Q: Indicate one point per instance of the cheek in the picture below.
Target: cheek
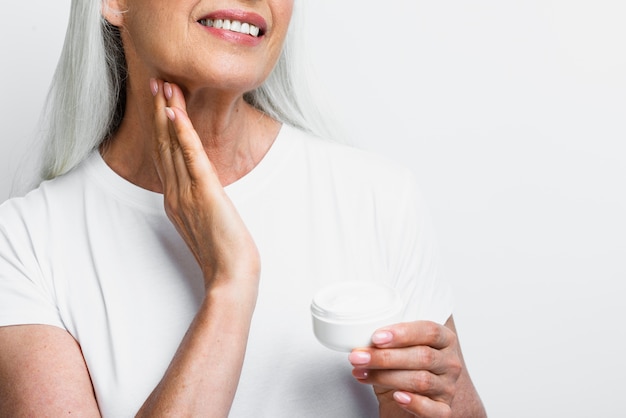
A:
(151, 40)
(283, 11)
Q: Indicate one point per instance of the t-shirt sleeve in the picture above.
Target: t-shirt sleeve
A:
(25, 297)
(416, 265)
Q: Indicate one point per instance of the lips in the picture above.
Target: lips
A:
(232, 25)
(237, 21)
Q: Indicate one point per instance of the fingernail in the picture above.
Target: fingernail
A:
(402, 398)
(170, 114)
(167, 88)
(382, 337)
(360, 374)
(154, 86)
(359, 357)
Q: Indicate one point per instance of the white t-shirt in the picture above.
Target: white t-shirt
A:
(96, 255)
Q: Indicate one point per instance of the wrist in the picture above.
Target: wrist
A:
(232, 299)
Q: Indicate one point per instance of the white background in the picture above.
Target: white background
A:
(513, 115)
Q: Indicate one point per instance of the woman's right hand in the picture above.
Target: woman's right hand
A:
(195, 200)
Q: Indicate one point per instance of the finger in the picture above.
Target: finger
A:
(185, 133)
(180, 165)
(199, 166)
(162, 155)
(191, 151)
(174, 96)
(176, 99)
(156, 156)
(409, 358)
(420, 382)
(422, 406)
(414, 333)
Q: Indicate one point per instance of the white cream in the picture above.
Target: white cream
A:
(346, 314)
(231, 25)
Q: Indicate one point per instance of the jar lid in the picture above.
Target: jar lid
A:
(355, 301)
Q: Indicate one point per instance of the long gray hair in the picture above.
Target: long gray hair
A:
(85, 104)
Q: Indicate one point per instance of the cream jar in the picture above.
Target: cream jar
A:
(346, 314)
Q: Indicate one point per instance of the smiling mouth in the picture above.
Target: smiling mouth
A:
(233, 26)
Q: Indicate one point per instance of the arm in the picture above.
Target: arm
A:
(203, 376)
(42, 373)
(417, 369)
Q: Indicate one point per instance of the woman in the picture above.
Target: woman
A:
(112, 306)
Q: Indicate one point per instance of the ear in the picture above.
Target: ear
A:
(113, 11)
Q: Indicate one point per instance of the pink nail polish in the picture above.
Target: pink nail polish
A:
(402, 398)
(360, 374)
(154, 86)
(167, 88)
(170, 114)
(359, 357)
(382, 337)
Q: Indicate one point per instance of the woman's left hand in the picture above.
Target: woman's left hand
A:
(414, 368)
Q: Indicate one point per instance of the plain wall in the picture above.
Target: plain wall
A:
(513, 116)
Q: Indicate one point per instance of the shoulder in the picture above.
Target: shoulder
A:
(351, 163)
(41, 206)
(32, 235)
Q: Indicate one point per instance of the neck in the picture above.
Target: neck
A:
(235, 136)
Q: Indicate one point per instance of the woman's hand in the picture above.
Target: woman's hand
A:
(195, 201)
(204, 373)
(414, 368)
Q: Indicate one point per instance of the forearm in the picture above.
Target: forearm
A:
(203, 376)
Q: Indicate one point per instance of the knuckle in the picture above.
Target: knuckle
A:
(189, 155)
(456, 367)
(174, 147)
(423, 382)
(171, 207)
(425, 356)
(453, 365)
(434, 332)
(162, 146)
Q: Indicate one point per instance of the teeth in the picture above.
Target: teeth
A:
(231, 25)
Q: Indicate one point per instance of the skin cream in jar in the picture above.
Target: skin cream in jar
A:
(346, 314)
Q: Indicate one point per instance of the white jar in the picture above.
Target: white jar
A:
(346, 314)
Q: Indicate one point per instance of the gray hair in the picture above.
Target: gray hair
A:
(85, 104)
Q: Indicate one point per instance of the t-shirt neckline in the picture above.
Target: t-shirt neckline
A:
(151, 201)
